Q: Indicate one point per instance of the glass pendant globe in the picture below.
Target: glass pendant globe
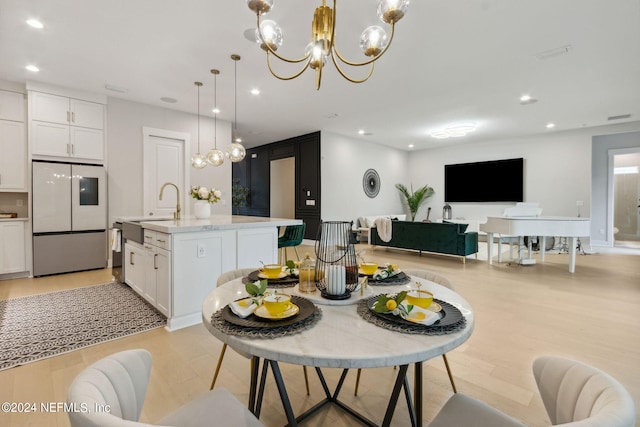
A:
(392, 10)
(215, 157)
(373, 40)
(272, 34)
(317, 56)
(198, 161)
(236, 152)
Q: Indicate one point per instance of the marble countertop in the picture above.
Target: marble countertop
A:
(342, 338)
(215, 222)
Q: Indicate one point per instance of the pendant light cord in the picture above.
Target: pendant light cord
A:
(215, 111)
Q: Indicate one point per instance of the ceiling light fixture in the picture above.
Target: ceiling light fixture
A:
(373, 41)
(235, 150)
(551, 125)
(527, 99)
(198, 161)
(32, 68)
(215, 157)
(453, 131)
(35, 23)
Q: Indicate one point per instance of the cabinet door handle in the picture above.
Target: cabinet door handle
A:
(73, 117)
(131, 258)
(155, 261)
(68, 116)
(161, 241)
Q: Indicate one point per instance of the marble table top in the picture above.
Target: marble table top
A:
(342, 338)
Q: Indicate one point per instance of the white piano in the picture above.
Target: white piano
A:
(571, 227)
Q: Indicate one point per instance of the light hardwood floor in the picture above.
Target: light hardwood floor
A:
(521, 312)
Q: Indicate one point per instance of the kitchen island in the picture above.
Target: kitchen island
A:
(174, 264)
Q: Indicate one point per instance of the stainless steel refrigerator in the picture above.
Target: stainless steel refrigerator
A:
(69, 217)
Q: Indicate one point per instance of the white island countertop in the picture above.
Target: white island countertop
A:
(216, 222)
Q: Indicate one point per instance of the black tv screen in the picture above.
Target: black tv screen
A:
(493, 181)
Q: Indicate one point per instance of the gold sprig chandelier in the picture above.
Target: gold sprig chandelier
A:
(374, 41)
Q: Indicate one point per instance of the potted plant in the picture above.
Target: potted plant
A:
(239, 194)
(415, 198)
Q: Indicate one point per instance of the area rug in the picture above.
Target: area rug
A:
(41, 326)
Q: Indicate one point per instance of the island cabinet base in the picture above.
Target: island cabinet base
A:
(179, 262)
(198, 260)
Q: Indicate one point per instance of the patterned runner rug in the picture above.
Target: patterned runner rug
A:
(41, 326)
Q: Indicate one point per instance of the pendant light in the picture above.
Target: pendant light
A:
(235, 150)
(198, 161)
(215, 157)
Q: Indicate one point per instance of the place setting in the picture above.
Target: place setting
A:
(266, 312)
(415, 311)
(389, 275)
(277, 276)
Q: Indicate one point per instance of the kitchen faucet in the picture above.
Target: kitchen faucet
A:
(176, 214)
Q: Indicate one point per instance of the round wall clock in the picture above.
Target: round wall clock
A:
(371, 183)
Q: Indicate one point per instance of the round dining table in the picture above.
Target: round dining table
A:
(342, 338)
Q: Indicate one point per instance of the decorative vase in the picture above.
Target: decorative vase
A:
(202, 209)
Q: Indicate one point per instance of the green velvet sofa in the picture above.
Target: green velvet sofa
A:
(442, 238)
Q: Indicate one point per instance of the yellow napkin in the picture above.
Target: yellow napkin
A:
(244, 307)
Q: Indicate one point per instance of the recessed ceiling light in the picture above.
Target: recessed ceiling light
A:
(527, 99)
(255, 91)
(361, 132)
(551, 125)
(168, 100)
(32, 68)
(35, 23)
(216, 111)
(410, 145)
(453, 131)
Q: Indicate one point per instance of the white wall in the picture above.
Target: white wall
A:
(343, 163)
(125, 121)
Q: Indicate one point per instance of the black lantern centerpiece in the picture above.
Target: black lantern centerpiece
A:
(336, 263)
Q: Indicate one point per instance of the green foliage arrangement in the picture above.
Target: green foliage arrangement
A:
(415, 198)
(239, 194)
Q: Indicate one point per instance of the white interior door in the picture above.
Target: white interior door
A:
(164, 161)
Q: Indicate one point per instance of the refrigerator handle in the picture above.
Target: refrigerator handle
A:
(155, 261)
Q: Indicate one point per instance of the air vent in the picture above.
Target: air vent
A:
(620, 117)
(562, 50)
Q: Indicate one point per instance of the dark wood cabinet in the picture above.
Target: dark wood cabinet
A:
(254, 172)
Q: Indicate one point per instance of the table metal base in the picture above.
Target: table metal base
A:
(256, 394)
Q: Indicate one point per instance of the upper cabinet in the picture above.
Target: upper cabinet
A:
(13, 142)
(66, 127)
(12, 106)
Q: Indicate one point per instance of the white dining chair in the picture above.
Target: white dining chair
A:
(574, 394)
(119, 382)
(440, 280)
(224, 278)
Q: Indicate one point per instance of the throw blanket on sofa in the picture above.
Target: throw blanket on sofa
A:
(384, 227)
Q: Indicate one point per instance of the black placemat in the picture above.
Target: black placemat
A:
(252, 321)
(456, 320)
(285, 282)
(398, 279)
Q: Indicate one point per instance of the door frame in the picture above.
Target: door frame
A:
(610, 188)
(185, 140)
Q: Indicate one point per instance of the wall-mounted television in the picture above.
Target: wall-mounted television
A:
(492, 181)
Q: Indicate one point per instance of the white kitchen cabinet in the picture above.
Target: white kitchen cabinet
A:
(12, 247)
(12, 106)
(158, 260)
(135, 266)
(66, 127)
(13, 156)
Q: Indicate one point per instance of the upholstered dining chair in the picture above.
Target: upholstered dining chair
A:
(120, 381)
(224, 278)
(574, 394)
(292, 238)
(440, 280)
